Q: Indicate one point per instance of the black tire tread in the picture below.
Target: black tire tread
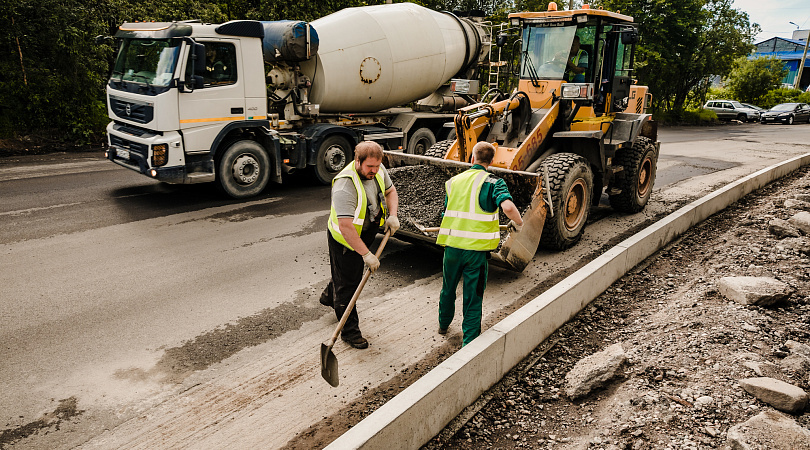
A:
(629, 159)
(558, 166)
(439, 149)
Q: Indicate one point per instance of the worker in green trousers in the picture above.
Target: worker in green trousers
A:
(470, 229)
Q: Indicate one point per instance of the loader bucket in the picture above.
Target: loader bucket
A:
(420, 185)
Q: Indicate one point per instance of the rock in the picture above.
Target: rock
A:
(801, 221)
(782, 396)
(763, 369)
(798, 364)
(594, 371)
(769, 430)
(802, 197)
(761, 291)
(797, 204)
(798, 348)
(782, 229)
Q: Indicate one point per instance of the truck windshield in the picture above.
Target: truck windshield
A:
(150, 62)
(546, 50)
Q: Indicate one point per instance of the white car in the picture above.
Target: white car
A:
(732, 109)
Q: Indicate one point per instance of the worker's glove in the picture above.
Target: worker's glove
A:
(513, 226)
(371, 261)
(392, 224)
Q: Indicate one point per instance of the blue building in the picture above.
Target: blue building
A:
(790, 51)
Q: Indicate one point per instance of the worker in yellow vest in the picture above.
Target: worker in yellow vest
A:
(577, 63)
(363, 199)
(469, 231)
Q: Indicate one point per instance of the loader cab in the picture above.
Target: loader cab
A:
(590, 51)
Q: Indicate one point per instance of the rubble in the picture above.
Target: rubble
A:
(594, 371)
(782, 396)
(687, 346)
(762, 291)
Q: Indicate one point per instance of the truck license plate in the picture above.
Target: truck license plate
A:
(122, 153)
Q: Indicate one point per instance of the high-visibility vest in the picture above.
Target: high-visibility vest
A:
(465, 225)
(575, 62)
(362, 202)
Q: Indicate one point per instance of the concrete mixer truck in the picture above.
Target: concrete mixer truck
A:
(244, 102)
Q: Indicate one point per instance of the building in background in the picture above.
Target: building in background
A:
(790, 51)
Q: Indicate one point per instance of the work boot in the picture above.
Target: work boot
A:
(358, 342)
(326, 298)
(442, 330)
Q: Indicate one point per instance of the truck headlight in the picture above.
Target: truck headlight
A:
(577, 91)
(160, 154)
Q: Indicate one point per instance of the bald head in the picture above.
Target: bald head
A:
(367, 149)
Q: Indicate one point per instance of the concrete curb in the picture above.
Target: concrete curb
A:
(415, 415)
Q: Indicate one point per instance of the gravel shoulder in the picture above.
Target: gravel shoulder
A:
(687, 345)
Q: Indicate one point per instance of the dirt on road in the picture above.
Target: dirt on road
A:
(687, 345)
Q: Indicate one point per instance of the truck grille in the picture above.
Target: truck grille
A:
(136, 112)
(134, 147)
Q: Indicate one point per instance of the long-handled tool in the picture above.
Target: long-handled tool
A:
(329, 364)
(426, 230)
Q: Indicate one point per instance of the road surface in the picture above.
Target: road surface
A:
(143, 315)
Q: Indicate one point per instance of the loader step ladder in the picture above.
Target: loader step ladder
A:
(495, 62)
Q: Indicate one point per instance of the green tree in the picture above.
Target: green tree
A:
(684, 43)
(751, 80)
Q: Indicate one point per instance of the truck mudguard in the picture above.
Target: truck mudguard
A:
(316, 133)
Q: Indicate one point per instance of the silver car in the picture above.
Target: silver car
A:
(731, 109)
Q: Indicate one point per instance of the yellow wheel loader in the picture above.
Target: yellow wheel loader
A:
(575, 127)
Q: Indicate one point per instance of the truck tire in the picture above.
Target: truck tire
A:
(420, 141)
(334, 154)
(640, 163)
(571, 184)
(439, 149)
(243, 169)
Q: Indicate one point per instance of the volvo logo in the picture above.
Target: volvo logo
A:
(129, 109)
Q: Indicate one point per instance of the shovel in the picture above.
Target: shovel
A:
(329, 364)
(426, 230)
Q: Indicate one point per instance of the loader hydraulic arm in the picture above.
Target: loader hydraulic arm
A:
(471, 122)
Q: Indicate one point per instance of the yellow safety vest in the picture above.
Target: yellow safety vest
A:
(575, 62)
(362, 202)
(465, 225)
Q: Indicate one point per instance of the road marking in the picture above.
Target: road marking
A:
(20, 212)
(45, 170)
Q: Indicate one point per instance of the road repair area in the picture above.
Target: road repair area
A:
(239, 385)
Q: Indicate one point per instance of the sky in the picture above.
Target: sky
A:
(774, 16)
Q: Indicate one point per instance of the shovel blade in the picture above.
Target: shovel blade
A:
(329, 365)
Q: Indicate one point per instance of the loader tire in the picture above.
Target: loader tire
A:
(439, 149)
(640, 163)
(571, 185)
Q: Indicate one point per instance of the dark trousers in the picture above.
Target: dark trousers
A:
(347, 272)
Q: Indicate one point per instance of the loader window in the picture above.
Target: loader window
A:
(546, 51)
(220, 64)
(623, 60)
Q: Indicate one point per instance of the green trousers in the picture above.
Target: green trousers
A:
(473, 266)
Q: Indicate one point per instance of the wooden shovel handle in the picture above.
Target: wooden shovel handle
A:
(366, 275)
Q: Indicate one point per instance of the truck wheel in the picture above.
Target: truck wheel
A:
(334, 154)
(439, 149)
(571, 184)
(421, 140)
(244, 169)
(639, 162)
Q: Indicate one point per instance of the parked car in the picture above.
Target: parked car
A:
(788, 113)
(748, 105)
(731, 109)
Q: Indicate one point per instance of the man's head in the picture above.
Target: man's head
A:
(483, 152)
(367, 159)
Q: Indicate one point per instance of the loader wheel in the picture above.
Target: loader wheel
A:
(571, 185)
(420, 141)
(439, 149)
(334, 154)
(244, 169)
(636, 184)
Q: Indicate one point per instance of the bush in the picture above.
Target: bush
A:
(697, 116)
(784, 95)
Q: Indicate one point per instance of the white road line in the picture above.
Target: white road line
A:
(21, 212)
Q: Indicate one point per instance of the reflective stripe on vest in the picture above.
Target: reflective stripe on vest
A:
(575, 62)
(362, 203)
(465, 225)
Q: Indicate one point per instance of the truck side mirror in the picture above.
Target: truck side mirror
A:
(629, 36)
(501, 41)
(199, 59)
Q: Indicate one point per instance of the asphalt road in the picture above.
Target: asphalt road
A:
(173, 316)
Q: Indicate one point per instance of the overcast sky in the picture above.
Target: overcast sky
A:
(774, 16)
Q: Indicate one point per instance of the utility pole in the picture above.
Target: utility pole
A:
(801, 64)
